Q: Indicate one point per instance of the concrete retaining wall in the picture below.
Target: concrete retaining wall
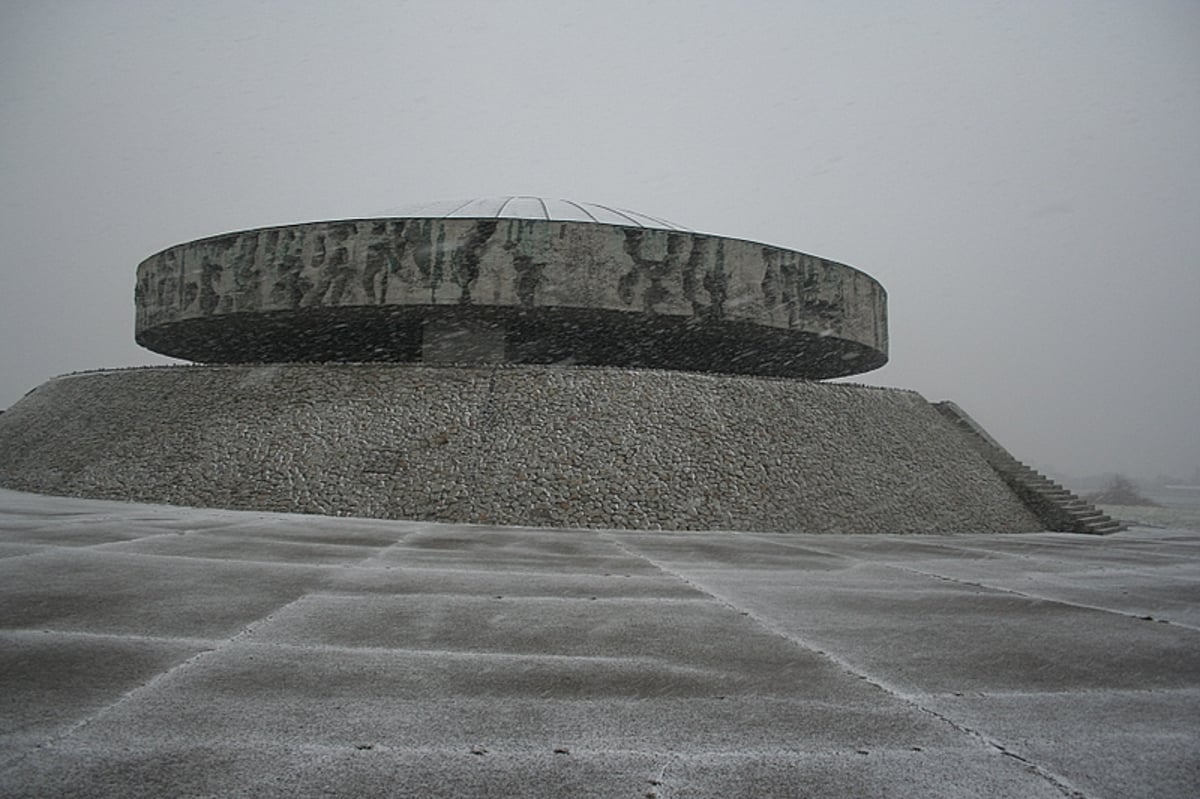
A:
(509, 445)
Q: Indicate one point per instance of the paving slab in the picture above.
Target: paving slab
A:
(931, 635)
(1171, 596)
(340, 698)
(1107, 743)
(230, 545)
(69, 589)
(384, 578)
(1151, 577)
(507, 549)
(157, 651)
(13, 550)
(63, 679)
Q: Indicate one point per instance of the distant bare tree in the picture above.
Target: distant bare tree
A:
(1120, 490)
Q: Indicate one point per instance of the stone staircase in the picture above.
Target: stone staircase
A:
(1056, 507)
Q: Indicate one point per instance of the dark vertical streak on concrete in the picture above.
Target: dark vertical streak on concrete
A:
(692, 282)
(210, 276)
(631, 279)
(338, 270)
(246, 277)
(428, 240)
(464, 263)
(529, 272)
(770, 281)
(529, 275)
(312, 294)
(661, 270)
(652, 270)
(172, 256)
(790, 272)
(716, 283)
(384, 251)
(290, 286)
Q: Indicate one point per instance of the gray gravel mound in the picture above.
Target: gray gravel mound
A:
(534, 446)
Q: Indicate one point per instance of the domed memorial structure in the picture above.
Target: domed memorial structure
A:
(512, 280)
(514, 361)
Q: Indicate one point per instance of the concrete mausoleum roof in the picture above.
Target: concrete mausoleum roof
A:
(514, 279)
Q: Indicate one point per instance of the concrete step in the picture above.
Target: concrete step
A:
(1057, 507)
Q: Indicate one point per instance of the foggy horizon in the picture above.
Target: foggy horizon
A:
(1023, 179)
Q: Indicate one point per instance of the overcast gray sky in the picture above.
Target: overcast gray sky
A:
(1022, 177)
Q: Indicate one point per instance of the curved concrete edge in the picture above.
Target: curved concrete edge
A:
(532, 446)
(400, 268)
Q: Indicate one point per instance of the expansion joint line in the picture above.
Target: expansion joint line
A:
(366, 563)
(1037, 597)
(149, 684)
(1059, 783)
(1007, 590)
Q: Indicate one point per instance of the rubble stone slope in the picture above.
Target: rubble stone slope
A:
(540, 446)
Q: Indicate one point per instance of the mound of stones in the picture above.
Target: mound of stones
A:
(519, 445)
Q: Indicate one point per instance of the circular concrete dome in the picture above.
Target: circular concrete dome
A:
(511, 280)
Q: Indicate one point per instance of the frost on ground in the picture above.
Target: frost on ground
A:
(150, 650)
(1185, 518)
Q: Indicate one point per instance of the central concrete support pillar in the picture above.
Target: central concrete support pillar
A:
(462, 340)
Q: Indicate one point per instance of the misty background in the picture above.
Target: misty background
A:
(1022, 177)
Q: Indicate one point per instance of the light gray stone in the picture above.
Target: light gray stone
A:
(545, 446)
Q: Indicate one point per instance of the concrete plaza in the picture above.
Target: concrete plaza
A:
(159, 651)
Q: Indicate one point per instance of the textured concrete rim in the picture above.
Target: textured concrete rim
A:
(365, 289)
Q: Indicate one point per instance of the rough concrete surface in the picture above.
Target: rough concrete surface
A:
(159, 651)
(532, 446)
(602, 294)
